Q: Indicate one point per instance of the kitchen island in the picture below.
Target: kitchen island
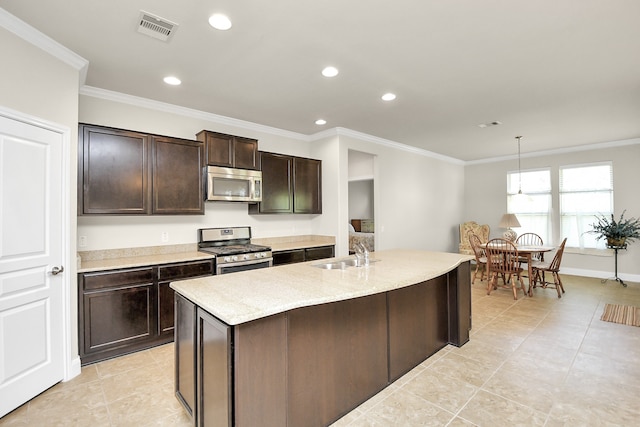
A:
(299, 345)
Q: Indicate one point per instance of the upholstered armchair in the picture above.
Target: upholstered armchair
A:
(482, 231)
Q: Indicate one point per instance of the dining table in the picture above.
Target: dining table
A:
(527, 252)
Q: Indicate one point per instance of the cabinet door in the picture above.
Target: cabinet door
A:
(322, 252)
(245, 153)
(218, 148)
(307, 181)
(113, 171)
(214, 382)
(277, 195)
(177, 176)
(288, 257)
(185, 352)
(170, 273)
(117, 313)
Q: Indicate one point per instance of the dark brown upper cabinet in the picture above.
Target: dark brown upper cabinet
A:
(123, 172)
(229, 150)
(289, 185)
(177, 176)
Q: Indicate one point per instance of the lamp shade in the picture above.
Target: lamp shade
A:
(508, 221)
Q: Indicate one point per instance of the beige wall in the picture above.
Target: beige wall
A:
(417, 198)
(485, 201)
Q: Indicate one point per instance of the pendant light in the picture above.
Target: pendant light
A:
(519, 170)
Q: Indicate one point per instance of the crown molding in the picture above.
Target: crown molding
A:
(187, 112)
(586, 147)
(31, 35)
(339, 131)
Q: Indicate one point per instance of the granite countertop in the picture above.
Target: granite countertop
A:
(241, 297)
(112, 259)
(289, 243)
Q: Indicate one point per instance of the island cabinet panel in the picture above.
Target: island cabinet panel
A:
(260, 365)
(418, 324)
(460, 304)
(337, 358)
(214, 369)
(185, 354)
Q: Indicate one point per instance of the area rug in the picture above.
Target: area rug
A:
(624, 314)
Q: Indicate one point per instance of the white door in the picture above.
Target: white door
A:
(31, 248)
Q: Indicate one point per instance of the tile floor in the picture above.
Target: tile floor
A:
(538, 361)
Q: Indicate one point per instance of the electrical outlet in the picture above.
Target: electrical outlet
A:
(82, 241)
(164, 236)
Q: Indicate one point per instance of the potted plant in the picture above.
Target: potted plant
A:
(617, 232)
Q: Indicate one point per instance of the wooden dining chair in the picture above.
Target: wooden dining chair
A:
(553, 267)
(481, 258)
(502, 259)
(530, 239)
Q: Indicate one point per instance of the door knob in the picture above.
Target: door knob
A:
(57, 270)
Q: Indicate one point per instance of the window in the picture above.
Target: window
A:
(585, 190)
(533, 207)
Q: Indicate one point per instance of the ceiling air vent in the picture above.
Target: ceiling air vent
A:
(156, 27)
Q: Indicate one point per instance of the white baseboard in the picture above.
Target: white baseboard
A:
(599, 274)
(73, 369)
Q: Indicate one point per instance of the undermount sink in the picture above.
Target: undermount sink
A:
(342, 264)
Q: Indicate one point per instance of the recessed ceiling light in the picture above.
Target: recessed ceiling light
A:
(389, 96)
(330, 72)
(220, 21)
(321, 122)
(171, 80)
(486, 125)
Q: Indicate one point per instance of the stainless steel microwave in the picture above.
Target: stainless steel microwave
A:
(233, 185)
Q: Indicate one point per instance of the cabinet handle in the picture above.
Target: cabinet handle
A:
(57, 270)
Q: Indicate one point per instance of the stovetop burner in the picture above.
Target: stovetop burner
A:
(234, 249)
(231, 245)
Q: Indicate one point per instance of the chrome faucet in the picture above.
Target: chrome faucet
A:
(362, 253)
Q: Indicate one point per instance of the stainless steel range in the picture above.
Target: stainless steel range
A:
(233, 249)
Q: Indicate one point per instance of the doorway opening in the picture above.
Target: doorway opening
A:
(361, 200)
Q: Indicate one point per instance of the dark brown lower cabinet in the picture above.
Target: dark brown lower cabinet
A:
(213, 386)
(126, 310)
(303, 254)
(418, 324)
(337, 358)
(185, 353)
(312, 365)
(117, 312)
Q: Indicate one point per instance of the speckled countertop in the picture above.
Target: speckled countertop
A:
(241, 297)
(111, 259)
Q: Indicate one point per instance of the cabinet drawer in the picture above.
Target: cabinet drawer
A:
(288, 257)
(114, 279)
(321, 252)
(185, 270)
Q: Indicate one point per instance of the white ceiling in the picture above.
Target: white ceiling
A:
(562, 73)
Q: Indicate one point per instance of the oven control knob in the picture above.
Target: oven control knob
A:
(246, 256)
(227, 259)
(262, 254)
(235, 258)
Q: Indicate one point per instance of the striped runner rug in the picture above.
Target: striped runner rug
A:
(624, 314)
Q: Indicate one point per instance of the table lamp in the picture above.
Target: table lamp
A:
(508, 221)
